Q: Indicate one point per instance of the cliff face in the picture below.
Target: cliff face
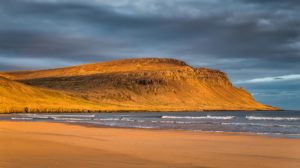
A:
(150, 84)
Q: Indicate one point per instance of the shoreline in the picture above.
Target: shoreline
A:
(270, 135)
(41, 144)
(146, 111)
(34, 117)
(91, 125)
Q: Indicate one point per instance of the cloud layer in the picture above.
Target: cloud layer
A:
(248, 39)
(272, 79)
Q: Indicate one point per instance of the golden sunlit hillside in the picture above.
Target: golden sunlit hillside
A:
(17, 97)
(127, 65)
(150, 84)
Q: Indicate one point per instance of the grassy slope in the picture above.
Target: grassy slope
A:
(121, 66)
(145, 84)
(15, 97)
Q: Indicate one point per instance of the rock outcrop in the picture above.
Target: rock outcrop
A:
(149, 84)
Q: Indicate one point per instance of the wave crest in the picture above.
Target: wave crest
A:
(273, 118)
(200, 117)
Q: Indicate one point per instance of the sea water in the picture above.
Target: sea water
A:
(273, 123)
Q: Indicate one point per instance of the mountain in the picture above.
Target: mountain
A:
(150, 84)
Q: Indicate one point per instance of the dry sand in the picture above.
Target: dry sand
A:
(41, 145)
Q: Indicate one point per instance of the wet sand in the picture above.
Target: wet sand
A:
(41, 144)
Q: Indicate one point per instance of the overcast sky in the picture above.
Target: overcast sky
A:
(256, 42)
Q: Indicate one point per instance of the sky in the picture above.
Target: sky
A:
(256, 42)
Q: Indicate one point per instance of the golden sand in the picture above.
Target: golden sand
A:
(37, 144)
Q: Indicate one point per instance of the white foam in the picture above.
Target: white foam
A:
(71, 119)
(259, 124)
(59, 115)
(119, 119)
(146, 127)
(274, 118)
(140, 121)
(21, 118)
(35, 116)
(127, 119)
(107, 119)
(184, 122)
(178, 122)
(200, 117)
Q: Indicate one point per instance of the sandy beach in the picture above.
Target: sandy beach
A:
(42, 144)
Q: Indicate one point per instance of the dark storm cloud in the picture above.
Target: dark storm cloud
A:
(217, 35)
(275, 2)
(246, 38)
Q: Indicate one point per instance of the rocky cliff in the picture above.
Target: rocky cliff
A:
(149, 84)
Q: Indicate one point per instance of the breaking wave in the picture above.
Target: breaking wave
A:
(200, 117)
(58, 115)
(273, 118)
(21, 118)
(260, 124)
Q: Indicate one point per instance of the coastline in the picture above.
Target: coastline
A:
(141, 110)
(37, 144)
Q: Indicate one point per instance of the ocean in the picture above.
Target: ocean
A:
(271, 123)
